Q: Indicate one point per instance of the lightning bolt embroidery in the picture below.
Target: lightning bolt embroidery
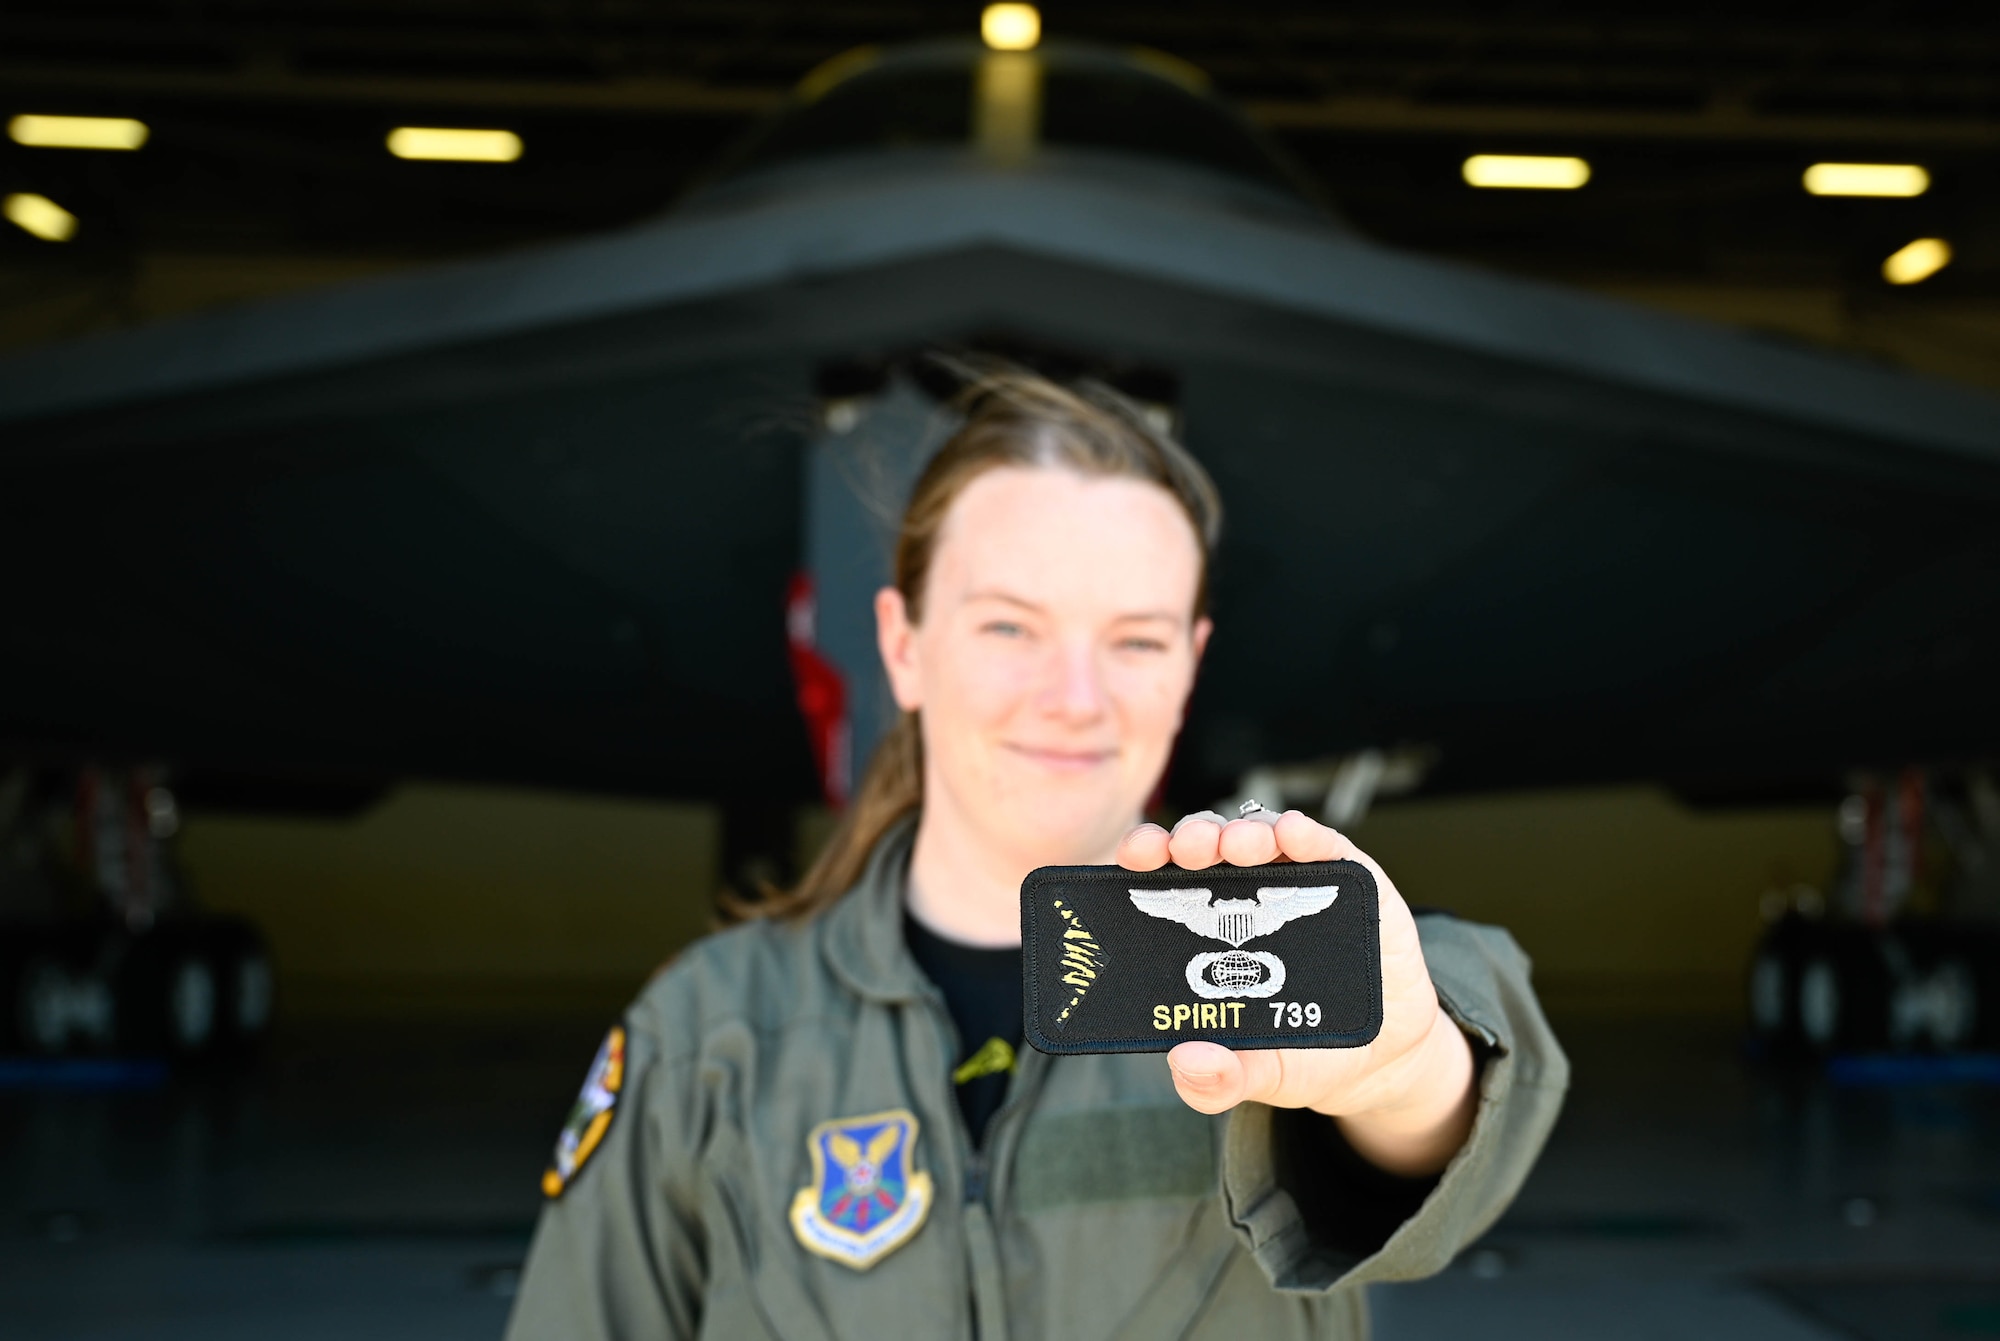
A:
(1083, 959)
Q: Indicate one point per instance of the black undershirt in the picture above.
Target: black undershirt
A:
(982, 990)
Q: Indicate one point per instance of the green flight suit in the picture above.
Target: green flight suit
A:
(1101, 1207)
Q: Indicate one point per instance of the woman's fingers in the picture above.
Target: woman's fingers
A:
(1144, 849)
(1208, 1076)
(1213, 1079)
(1196, 843)
(1202, 839)
(1305, 839)
(1248, 842)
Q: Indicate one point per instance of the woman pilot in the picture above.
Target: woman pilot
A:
(1041, 637)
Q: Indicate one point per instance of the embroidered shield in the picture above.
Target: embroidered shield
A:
(866, 1200)
(591, 1117)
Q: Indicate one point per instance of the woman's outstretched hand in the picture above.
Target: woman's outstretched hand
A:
(1405, 1102)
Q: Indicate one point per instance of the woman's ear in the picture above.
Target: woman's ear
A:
(1202, 628)
(896, 636)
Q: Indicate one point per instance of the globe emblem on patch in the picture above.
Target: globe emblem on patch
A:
(1235, 969)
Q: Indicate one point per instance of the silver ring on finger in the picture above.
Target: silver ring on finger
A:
(1252, 810)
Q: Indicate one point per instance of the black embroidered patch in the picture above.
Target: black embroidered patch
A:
(1285, 956)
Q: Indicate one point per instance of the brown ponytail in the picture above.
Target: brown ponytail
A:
(1012, 418)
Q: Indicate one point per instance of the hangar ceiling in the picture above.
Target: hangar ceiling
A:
(266, 169)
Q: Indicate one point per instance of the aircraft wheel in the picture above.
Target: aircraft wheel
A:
(168, 995)
(1773, 985)
(250, 990)
(59, 1003)
(1845, 992)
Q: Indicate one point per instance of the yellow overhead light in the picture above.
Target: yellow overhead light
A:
(1007, 107)
(1011, 27)
(1867, 179)
(39, 215)
(443, 144)
(1918, 261)
(77, 132)
(1526, 172)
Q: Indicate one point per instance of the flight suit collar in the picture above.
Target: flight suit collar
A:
(864, 931)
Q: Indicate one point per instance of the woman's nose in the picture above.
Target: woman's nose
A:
(1074, 690)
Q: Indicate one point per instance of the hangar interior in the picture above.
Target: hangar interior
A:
(423, 531)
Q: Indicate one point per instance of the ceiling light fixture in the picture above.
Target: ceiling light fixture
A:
(1525, 172)
(446, 145)
(77, 132)
(1918, 261)
(39, 215)
(1900, 180)
(1011, 27)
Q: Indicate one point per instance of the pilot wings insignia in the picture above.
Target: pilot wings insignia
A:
(1235, 971)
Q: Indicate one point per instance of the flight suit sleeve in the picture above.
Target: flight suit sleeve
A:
(619, 1252)
(1481, 978)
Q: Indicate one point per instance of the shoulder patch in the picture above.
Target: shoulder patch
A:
(866, 1198)
(591, 1117)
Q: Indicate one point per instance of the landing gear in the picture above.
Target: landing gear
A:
(188, 990)
(102, 953)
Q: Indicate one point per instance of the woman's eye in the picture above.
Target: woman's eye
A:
(1006, 628)
(1141, 645)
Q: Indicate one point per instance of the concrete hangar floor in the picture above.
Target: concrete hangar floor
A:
(379, 1181)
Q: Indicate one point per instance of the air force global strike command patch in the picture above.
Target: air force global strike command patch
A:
(1285, 956)
(866, 1198)
(591, 1117)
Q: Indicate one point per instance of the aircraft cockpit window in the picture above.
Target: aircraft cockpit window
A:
(1137, 112)
(899, 109)
(1036, 108)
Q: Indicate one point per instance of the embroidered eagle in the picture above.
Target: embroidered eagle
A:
(862, 1168)
(1235, 921)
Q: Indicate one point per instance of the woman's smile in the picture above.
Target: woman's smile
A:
(1060, 759)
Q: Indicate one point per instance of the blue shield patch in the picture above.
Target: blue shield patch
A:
(866, 1198)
